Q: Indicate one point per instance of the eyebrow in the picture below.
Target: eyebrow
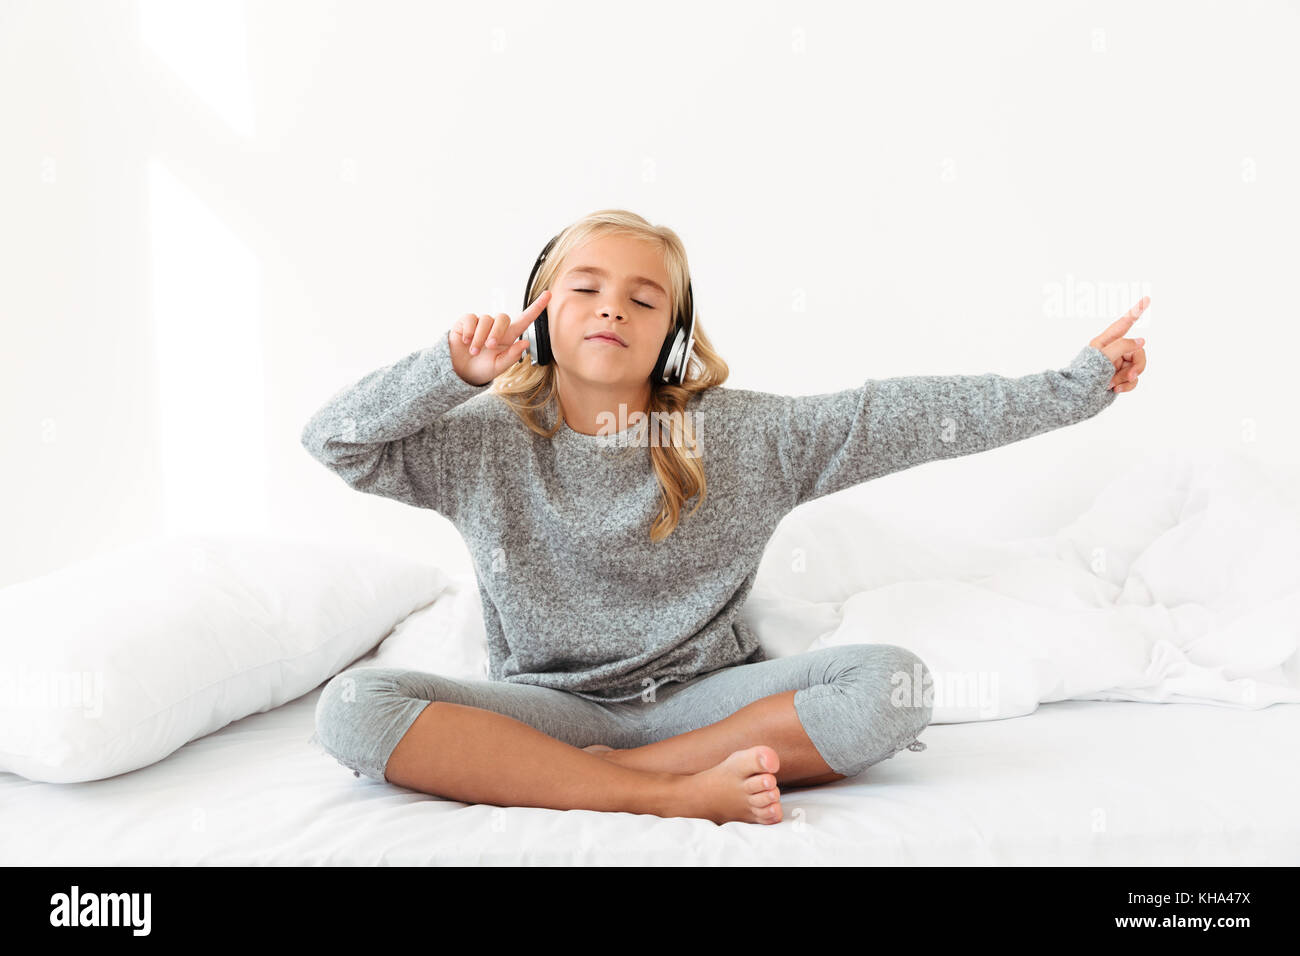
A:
(601, 272)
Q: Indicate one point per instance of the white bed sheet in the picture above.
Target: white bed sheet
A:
(1075, 783)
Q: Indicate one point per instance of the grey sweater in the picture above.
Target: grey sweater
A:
(575, 595)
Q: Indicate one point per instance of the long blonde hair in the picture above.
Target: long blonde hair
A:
(530, 390)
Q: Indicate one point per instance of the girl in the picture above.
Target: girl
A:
(621, 675)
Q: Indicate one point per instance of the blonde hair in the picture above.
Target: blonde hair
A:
(530, 390)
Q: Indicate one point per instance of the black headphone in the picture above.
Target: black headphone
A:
(673, 357)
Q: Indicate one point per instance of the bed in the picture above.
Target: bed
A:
(1146, 713)
(1076, 783)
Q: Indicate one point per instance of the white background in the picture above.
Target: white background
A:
(215, 215)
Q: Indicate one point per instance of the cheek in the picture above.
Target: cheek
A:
(567, 330)
(562, 323)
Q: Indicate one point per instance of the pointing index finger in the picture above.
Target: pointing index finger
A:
(1121, 325)
(530, 314)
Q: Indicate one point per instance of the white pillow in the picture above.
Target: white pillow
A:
(114, 662)
(832, 548)
(447, 638)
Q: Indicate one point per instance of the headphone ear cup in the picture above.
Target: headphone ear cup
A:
(539, 341)
(538, 334)
(675, 356)
(687, 350)
(681, 360)
(543, 337)
(663, 371)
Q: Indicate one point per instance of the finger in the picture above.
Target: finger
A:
(529, 314)
(1122, 324)
(1124, 376)
(498, 331)
(508, 357)
(1118, 376)
(1135, 362)
(465, 327)
(1140, 361)
(1119, 348)
(1126, 386)
(480, 334)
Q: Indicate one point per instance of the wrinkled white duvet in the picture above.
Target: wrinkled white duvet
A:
(1181, 583)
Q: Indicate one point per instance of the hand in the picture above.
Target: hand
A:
(484, 346)
(1127, 355)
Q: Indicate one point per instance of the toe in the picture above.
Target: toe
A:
(764, 799)
(756, 783)
(749, 759)
(771, 759)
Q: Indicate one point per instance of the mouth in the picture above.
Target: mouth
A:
(610, 337)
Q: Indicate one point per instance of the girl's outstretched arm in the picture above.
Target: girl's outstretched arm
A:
(825, 443)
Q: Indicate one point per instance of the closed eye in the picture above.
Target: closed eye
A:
(642, 304)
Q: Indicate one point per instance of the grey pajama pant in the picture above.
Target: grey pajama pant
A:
(858, 703)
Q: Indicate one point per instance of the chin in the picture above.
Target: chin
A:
(604, 376)
(604, 373)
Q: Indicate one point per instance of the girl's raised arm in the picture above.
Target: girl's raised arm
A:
(390, 434)
(387, 433)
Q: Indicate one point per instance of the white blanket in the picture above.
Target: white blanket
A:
(1181, 583)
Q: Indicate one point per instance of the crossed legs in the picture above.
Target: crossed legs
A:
(829, 713)
(716, 747)
(772, 720)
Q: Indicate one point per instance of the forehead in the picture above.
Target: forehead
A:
(620, 257)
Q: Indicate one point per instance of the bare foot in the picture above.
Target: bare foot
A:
(739, 788)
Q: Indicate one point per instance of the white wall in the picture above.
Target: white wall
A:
(212, 218)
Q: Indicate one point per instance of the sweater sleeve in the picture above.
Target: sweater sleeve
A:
(388, 434)
(825, 443)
